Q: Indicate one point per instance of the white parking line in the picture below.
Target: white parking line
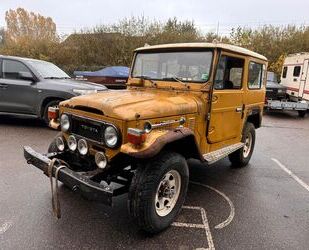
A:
(5, 226)
(290, 173)
(232, 208)
(204, 226)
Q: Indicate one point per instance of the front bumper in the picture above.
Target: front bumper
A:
(76, 181)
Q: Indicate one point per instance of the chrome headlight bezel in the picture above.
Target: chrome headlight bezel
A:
(65, 122)
(113, 141)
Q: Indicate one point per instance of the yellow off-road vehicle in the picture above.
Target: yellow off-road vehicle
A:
(190, 100)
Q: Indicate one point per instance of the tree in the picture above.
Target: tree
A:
(29, 35)
(22, 24)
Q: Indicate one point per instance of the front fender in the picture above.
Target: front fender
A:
(157, 140)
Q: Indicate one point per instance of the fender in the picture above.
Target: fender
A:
(179, 139)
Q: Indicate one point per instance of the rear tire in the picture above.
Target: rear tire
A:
(242, 156)
(302, 113)
(158, 191)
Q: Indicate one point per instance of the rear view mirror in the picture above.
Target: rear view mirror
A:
(26, 76)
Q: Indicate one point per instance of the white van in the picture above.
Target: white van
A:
(295, 76)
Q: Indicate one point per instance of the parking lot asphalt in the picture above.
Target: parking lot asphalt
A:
(262, 206)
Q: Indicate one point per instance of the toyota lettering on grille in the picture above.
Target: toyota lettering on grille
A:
(90, 129)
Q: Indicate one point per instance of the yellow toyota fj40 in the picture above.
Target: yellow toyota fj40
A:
(190, 100)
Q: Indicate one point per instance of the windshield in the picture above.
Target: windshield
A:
(191, 66)
(48, 70)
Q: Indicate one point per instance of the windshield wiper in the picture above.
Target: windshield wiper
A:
(54, 77)
(146, 78)
(51, 77)
(174, 78)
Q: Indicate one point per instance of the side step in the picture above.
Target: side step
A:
(219, 154)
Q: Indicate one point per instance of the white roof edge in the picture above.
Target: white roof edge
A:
(224, 46)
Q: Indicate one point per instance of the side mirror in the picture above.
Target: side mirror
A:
(26, 76)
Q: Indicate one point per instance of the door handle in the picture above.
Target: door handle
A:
(238, 109)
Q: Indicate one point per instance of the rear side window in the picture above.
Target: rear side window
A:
(255, 78)
(296, 71)
(284, 72)
(11, 69)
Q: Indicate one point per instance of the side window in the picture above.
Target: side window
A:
(11, 69)
(255, 77)
(229, 73)
(296, 71)
(284, 72)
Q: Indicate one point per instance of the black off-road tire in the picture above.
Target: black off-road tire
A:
(237, 158)
(52, 146)
(45, 113)
(143, 189)
(302, 113)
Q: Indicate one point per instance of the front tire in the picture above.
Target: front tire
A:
(158, 191)
(242, 156)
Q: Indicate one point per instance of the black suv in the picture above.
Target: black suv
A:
(29, 87)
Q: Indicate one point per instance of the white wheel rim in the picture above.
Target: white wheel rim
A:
(248, 145)
(167, 193)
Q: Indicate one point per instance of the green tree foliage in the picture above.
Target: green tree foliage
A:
(113, 44)
(273, 42)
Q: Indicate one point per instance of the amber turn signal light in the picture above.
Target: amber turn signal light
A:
(136, 136)
(53, 113)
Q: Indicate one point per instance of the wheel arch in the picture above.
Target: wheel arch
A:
(255, 117)
(181, 140)
(47, 100)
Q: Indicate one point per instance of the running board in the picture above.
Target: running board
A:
(219, 154)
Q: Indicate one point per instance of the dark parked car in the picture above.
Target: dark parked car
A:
(274, 90)
(29, 86)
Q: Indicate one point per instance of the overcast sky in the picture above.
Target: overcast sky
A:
(76, 14)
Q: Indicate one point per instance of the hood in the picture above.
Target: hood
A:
(274, 85)
(128, 104)
(75, 84)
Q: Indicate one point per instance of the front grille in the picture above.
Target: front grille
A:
(87, 128)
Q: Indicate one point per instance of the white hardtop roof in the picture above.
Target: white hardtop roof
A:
(223, 46)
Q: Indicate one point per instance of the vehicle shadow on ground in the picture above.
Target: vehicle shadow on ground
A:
(21, 121)
(283, 115)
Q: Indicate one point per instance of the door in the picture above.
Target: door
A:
(304, 80)
(16, 95)
(227, 102)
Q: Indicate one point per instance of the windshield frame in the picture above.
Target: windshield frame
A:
(171, 50)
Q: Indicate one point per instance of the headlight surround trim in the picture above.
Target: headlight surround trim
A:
(116, 136)
(65, 122)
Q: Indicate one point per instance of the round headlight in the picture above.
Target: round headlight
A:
(65, 122)
(72, 143)
(82, 147)
(60, 143)
(100, 159)
(111, 136)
